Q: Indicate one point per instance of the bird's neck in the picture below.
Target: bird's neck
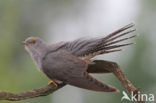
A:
(37, 54)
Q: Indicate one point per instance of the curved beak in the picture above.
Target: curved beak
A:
(25, 43)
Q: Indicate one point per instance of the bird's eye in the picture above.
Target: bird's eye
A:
(33, 41)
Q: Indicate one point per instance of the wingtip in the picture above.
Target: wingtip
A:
(131, 24)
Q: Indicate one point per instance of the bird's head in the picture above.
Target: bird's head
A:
(32, 41)
(34, 44)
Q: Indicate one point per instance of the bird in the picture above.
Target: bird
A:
(68, 61)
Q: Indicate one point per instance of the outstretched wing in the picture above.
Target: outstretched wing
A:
(61, 65)
(84, 47)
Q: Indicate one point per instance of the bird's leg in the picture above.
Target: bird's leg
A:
(53, 83)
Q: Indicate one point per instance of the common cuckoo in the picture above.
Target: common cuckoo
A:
(69, 62)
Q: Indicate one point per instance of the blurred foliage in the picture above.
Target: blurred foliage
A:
(17, 72)
(22, 18)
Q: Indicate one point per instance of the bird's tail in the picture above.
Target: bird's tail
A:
(90, 83)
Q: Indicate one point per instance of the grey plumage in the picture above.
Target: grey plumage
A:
(82, 47)
(67, 61)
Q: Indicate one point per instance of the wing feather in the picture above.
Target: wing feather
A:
(82, 47)
(61, 65)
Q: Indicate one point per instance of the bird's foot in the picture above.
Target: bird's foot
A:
(53, 83)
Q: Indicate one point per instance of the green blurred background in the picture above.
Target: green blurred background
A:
(62, 20)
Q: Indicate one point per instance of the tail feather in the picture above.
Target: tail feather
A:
(90, 83)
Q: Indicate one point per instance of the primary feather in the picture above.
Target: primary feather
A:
(84, 47)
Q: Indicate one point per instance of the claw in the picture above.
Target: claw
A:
(53, 82)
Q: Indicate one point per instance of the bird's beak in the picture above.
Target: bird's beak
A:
(26, 43)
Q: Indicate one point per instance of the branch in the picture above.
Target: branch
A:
(99, 67)
(31, 93)
(113, 67)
